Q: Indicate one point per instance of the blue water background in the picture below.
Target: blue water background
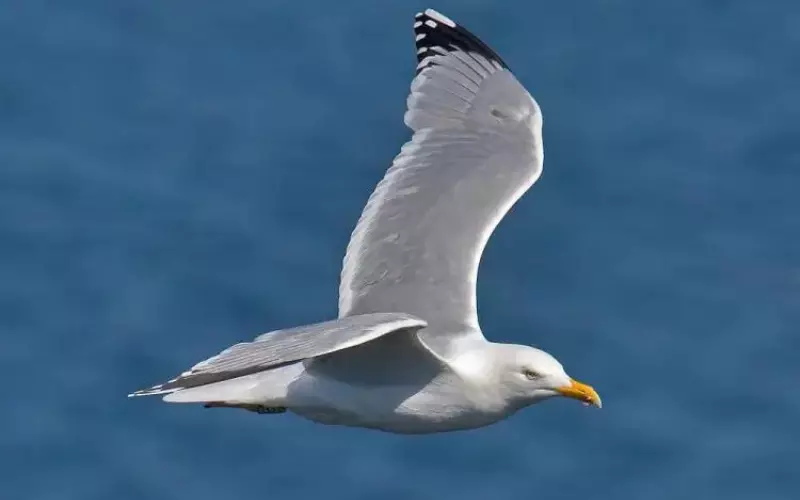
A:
(177, 176)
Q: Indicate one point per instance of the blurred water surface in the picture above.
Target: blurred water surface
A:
(179, 176)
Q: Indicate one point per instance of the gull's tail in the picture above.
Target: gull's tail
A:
(267, 388)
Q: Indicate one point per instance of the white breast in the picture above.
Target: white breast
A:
(443, 404)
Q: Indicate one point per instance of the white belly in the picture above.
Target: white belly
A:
(443, 404)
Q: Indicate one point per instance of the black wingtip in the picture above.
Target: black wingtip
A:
(433, 29)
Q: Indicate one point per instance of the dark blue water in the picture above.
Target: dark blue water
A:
(177, 176)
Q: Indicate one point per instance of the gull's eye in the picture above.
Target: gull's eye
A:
(530, 374)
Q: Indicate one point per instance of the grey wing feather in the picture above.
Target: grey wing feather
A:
(282, 347)
(476, 149)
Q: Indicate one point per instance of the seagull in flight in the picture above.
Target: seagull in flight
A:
(406, 354)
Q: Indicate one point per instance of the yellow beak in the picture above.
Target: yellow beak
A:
(581, 392)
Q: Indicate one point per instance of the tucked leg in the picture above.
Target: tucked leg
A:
(261, 409)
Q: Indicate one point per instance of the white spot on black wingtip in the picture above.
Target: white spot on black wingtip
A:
(434, 30)
(439, 17)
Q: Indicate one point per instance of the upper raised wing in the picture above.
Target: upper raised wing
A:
(282, 347)
(476, 149)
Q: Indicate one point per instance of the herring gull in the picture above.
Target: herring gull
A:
(406, 353)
